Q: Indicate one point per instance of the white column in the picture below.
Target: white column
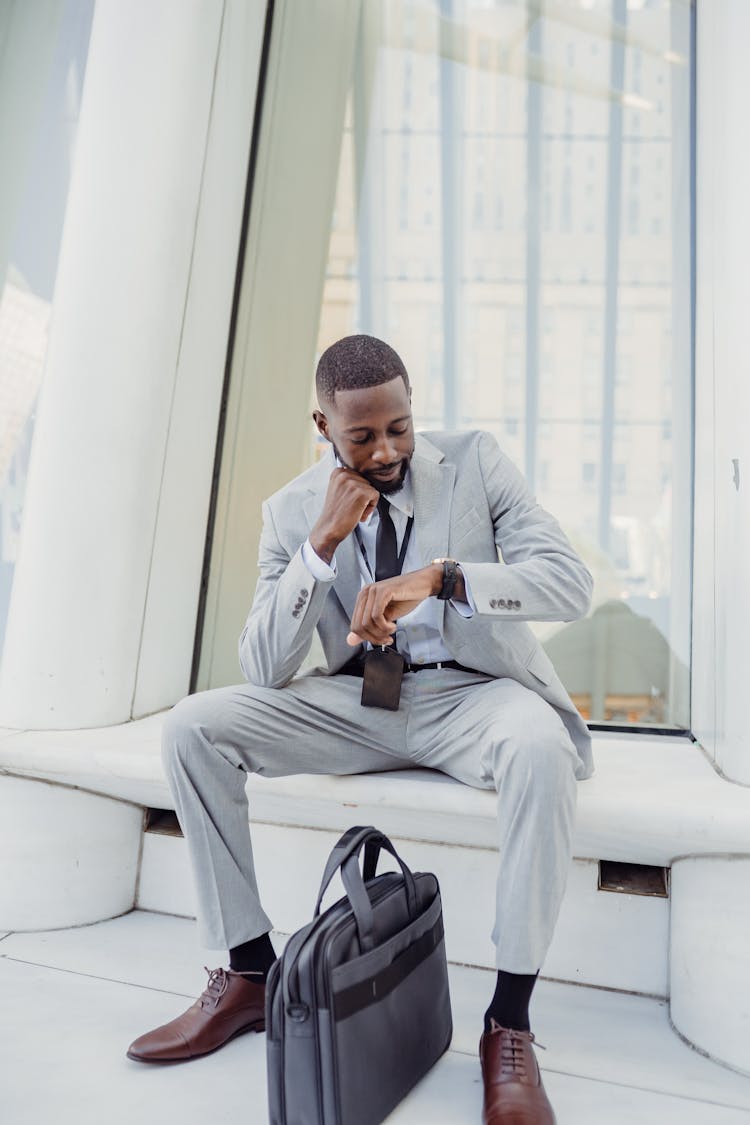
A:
(69, 857)
(114, 522)
(721, 618)
(709, 967)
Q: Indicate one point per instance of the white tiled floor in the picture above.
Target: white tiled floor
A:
(72, 1001)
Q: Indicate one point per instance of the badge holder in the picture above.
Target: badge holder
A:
(381, 680)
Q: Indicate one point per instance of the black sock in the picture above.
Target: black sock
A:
(510, 1005)
(256, 956)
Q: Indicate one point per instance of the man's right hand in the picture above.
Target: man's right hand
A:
(349, 500)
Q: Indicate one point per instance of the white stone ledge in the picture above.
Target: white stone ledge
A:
(651, 800)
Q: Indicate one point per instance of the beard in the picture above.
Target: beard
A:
(384, 487)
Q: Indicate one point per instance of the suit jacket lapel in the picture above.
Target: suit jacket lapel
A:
(348, 581)
(432, 485)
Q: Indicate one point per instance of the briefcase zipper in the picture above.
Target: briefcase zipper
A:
(383, 891)
(294, 996)
(386, 884)
(393, 884)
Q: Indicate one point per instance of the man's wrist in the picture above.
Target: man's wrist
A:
(448, 580)
(324, 546)
(436, 573)
(319, 568)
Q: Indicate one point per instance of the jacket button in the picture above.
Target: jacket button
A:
(295, 613)
(501, 603)
(493, 603)
(303, 593)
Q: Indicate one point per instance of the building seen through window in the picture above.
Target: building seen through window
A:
(513, 215)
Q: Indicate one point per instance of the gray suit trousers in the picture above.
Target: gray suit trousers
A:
(486, 732)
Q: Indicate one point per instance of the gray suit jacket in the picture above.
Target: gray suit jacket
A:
(469, 500)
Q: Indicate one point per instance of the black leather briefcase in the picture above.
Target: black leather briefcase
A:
(357, 1006)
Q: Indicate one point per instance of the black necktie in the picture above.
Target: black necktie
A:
(386, 555)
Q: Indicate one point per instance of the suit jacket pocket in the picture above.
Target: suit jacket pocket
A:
(465, 523)
(473, 538)
(540, 665)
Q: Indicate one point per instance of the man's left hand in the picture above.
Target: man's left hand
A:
(380, 604)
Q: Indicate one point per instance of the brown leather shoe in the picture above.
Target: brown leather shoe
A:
(230, 1005)
(513, 1090)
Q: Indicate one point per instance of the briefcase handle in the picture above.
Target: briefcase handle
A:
(345, 856)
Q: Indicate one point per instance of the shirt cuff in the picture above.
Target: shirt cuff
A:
(467, 608)
(320, 570)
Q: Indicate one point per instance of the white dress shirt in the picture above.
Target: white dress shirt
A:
(418, 635)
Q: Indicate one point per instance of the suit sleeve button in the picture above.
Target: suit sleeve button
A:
(493, 603)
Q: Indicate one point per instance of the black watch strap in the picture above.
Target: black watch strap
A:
(450, 578)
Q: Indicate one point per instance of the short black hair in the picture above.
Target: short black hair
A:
(355, 362)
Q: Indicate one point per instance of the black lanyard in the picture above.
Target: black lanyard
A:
(401, 554)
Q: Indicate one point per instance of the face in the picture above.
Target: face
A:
(372, 433)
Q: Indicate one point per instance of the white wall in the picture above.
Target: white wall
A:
(721, 617)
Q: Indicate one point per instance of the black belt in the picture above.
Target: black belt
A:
(354, 667)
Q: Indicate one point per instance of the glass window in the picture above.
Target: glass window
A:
(42, 64)
(515, 194)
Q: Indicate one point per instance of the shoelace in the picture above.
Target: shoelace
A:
(512, 1055)
(218, 983)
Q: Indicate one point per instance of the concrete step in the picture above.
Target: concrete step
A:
(612, 940)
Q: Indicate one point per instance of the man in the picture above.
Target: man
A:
(391, 540)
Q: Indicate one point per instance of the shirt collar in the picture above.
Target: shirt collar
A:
(404, 498)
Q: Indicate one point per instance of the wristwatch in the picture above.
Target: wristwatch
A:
(450, 577)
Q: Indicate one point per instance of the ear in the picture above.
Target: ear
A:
(321, 422)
